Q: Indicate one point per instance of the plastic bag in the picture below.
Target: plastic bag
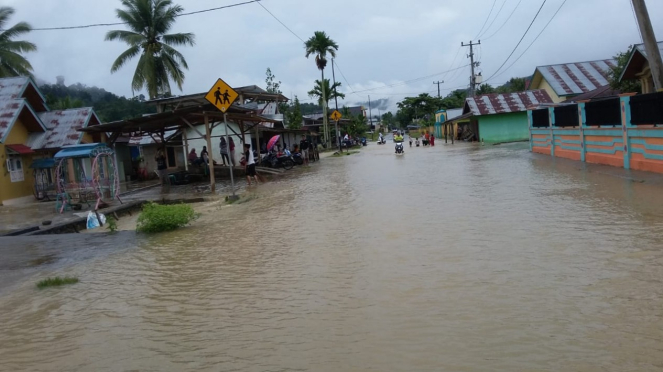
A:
(93, 222)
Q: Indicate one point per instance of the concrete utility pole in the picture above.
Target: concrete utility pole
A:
(653, 53)
(438, 87)
(472, 65)
(370, 115)
(338, 135)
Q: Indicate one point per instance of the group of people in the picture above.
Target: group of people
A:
(427, 139)
(194, 159)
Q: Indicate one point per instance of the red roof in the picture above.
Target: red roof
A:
(21, 149)
(498, 103)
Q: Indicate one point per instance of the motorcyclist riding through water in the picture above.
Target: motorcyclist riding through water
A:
(398, 138)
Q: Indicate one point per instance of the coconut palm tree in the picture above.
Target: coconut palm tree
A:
(12, 62)
(328, 94)
(320, 45)
(148, 22)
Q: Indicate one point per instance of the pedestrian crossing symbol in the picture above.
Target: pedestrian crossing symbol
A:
(336, 116)
(221, 95)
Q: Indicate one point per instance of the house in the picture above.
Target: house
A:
(29, 131)
(503, 117)
(564, 81)
(637, 67)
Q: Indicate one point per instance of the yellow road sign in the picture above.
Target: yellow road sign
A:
(221, 95)
(336, 116)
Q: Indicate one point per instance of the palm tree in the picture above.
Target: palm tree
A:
(320, 44)
(149, 22)
(12, 63)
(329, 92)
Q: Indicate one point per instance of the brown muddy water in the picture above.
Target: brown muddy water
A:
(458, 258)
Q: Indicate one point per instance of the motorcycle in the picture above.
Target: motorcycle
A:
(273, 161)
(381, 141)
(297, 158)
(362, 140)
(399, 148)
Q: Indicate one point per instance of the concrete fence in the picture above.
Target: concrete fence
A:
(621, 132)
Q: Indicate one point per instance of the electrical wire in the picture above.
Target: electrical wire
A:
(520, 41)
(343, 75)
(493, 21)
(487, 18)
(123, 23)
(635, 18)
(404, 82)
(282, 24)
(533, 41)
(505, 22)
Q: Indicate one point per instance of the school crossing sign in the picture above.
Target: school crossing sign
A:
(221, 95)
(336, 116)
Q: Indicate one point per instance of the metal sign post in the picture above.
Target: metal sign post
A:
(233, 197)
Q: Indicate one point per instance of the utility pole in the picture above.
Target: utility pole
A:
(338, 135)
(438, 87)
(472, 65)
(369, 110)
(653, 53)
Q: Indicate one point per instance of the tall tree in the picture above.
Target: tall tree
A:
(321, 45)
(485, 89)
(294, 115)
(615, 73)
(149, 22)
(12, 62)
(329, 92)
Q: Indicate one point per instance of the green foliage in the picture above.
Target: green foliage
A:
(320, 45)
(149, 22)
(108, 106)
(12, 62)
(330, 92)
(485, 89)
(294, 115)
(388, 119)
(56, 282)
(513, 85)
(616, 72)
(358, 124)
(159, 218)
(273, 86)
(112, 224)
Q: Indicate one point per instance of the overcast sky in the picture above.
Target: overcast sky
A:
(382, 43)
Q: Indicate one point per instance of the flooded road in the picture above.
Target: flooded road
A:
(452, 258)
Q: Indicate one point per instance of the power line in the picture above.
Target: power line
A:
(405, 82)
(452, 62)
(521, 40)
(124, 23)
(505, 22)
(343, 75)
(494, 19)
(487, 18)
(533, 41)
(282, 24)
(635, 18)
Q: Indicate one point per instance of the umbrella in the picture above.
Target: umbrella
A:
(272, 141)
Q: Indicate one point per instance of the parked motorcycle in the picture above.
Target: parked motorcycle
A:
(273, 161)
(297, 158)
(362, 140)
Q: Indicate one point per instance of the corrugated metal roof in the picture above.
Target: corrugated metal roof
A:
(577, 78)
(496, 103)
(13, 87)
(9, 111)
(641, 48)
(63, 126)
(147, 140)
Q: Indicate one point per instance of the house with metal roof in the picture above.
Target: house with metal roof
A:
(637, 68)
(566, 80)
(497, 118)
(30, 131)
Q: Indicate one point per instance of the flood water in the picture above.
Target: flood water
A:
(452, 258)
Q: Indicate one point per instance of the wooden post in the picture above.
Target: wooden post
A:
(185, 142)
(259, 160)
(208, 133)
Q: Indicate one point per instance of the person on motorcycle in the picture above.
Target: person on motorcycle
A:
(398, 138)
(380, 139)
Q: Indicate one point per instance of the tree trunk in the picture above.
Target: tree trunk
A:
(325, 123)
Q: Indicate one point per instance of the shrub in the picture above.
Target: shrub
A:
(158, 218)
(56, 282)
(112, 224)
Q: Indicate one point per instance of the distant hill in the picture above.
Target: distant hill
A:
(108, 106)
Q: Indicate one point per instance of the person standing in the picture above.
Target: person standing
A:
(250, 164)
(204, 155)
(304, 146)
(223, 145)
(432, 139)
(231, 146)
(162, 170)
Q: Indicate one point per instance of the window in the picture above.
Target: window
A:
(15, 168)
(171, 157)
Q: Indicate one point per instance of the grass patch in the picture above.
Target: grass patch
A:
(56, 282)
(159, 218)
(346, 153)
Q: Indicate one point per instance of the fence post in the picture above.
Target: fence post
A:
(625, 103)
(582, 120)
(551, 124)
(531, 126)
